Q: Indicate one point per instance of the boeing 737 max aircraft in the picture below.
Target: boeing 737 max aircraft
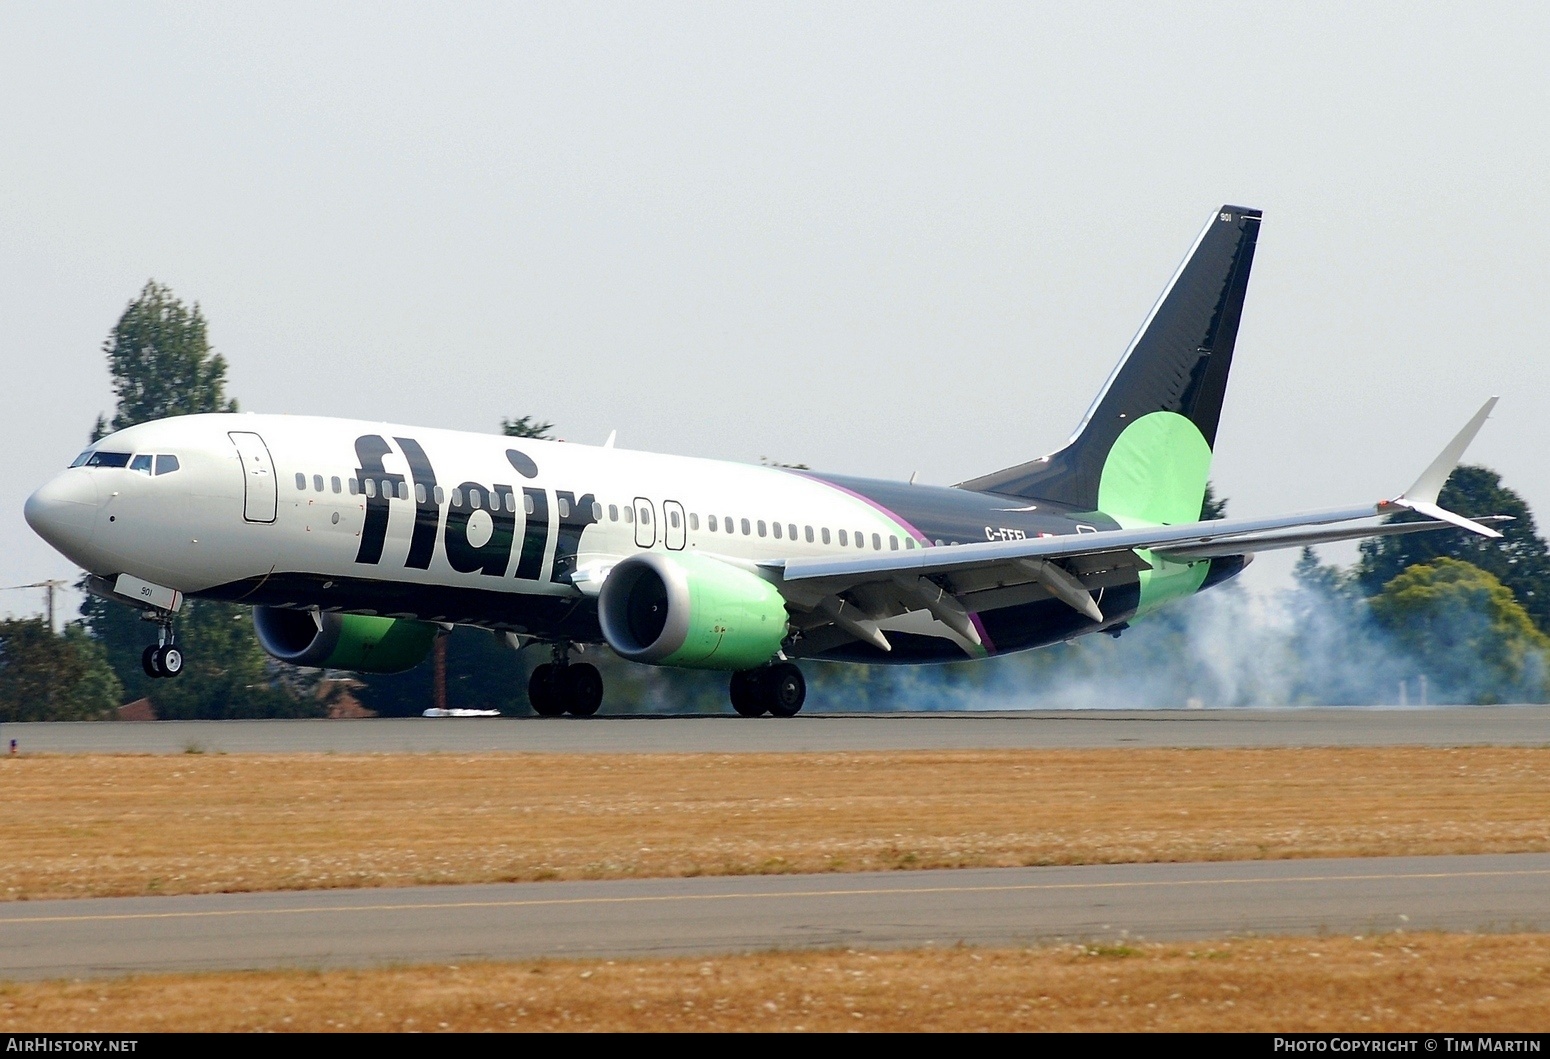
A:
(356, 543)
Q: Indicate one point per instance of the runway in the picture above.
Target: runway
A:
(343, 928)
(1438, 726)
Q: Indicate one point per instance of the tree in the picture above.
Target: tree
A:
(1518, 560)
(162, 365)
(1212, 507)
(526, 427)
(1467, 632)
(49, 677)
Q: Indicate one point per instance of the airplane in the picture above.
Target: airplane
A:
(357, 543)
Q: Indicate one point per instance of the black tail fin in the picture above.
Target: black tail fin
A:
(1178, 362)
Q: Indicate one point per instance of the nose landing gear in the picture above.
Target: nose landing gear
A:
(563, 686)
(162, 658)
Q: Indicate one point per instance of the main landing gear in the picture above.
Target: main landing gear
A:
(162, 658)
(563, 686)
(778, 690)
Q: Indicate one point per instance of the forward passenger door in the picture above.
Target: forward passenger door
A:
(260, 495)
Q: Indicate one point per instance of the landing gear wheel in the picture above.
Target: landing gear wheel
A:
(169, 660)
(784, 689)
(746, 699)
(583, 688)
(544, 691)
(150, 662)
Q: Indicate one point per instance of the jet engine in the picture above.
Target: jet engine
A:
(690, 611)
(358, 642)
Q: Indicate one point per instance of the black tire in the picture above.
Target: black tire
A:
(543, 692)
(785, 689)
(747, 698)
(583, 689)
(149, 661)
(170, 661)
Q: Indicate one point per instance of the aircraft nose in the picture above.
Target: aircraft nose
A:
(64, 512)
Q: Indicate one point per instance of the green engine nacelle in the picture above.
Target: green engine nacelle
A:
(690, 611)
(358, 642)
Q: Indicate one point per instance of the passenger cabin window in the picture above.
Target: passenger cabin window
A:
(791, 528)
(694, 521)
(439, 495)
(877, 542)
(825, 532)
(563, 506)
(710, 523)
(672, 517)
(141, 465)
(597, 511)
(860, 539)
(355, 486)
(317, 483)
(613, 512)
(419, 492)
(747, 529)
(645, 516)
(168, 464)
(909, 543)
(108, 459)
(334, 481)
(893, 543)
(476, 499)
(809, 530)
(844, 542)
(728, 521)
(777, 531)
(761, 527)
(629, 514)
(301, 481)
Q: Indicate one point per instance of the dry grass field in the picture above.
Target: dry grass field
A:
(1394, 983)
(115, 825)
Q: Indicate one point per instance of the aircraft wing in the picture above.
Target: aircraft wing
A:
(841, 598)
(1250, 543)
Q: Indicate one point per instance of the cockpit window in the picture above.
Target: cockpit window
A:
(142, 464)
(166, 464)
(82, 458)
(108, 459)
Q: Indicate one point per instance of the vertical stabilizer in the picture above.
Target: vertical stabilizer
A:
(1177, 364)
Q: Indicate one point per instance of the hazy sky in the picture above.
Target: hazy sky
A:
(873, 238)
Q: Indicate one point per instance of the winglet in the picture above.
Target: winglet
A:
(1429, 486)
(1422, 496)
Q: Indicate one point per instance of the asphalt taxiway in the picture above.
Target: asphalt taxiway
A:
(1437, 726)
(457, 924)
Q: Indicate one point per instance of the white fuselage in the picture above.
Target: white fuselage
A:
(262, 496)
